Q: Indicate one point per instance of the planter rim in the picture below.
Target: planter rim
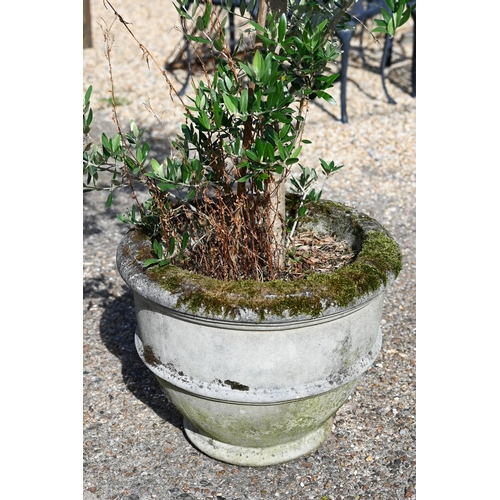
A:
(176, 289)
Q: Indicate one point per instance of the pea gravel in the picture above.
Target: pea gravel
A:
(133, 441)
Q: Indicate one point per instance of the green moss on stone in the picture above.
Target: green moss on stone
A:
(379, 259)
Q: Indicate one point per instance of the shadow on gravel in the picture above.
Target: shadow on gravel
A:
(117, 329)
(117, 324)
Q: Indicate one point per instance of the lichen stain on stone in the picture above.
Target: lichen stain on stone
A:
(236, 386)
(150, 357)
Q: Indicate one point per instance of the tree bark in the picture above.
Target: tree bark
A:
(87, 26)
(278, 191)
(274, 6)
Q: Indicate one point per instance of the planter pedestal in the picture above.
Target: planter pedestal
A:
(256, 457)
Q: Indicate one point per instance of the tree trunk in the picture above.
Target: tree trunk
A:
(277, 200)
(275, 6)
(87, 26)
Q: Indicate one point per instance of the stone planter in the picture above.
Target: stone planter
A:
(259, 369)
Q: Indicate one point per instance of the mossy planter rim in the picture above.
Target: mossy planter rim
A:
(377, 264)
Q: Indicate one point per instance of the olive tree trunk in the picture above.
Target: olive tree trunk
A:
(277, 200)
(87, 26)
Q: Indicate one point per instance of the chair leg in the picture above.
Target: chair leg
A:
(361, 50)
(345, 37)
(231, 32)
(414, 60)
(385, 57)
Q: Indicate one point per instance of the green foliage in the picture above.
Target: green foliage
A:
(398, 14)
(123, 160)
(286, 68)
(241, 141)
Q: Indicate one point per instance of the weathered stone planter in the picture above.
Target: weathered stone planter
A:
(259, 369)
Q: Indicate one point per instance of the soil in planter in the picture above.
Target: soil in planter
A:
(312, 253)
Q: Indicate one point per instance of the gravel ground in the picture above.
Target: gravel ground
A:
(133, 441)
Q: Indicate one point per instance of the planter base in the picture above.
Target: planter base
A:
(257, 457)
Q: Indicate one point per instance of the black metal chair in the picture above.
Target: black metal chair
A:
(360, 12)
(386, 57)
